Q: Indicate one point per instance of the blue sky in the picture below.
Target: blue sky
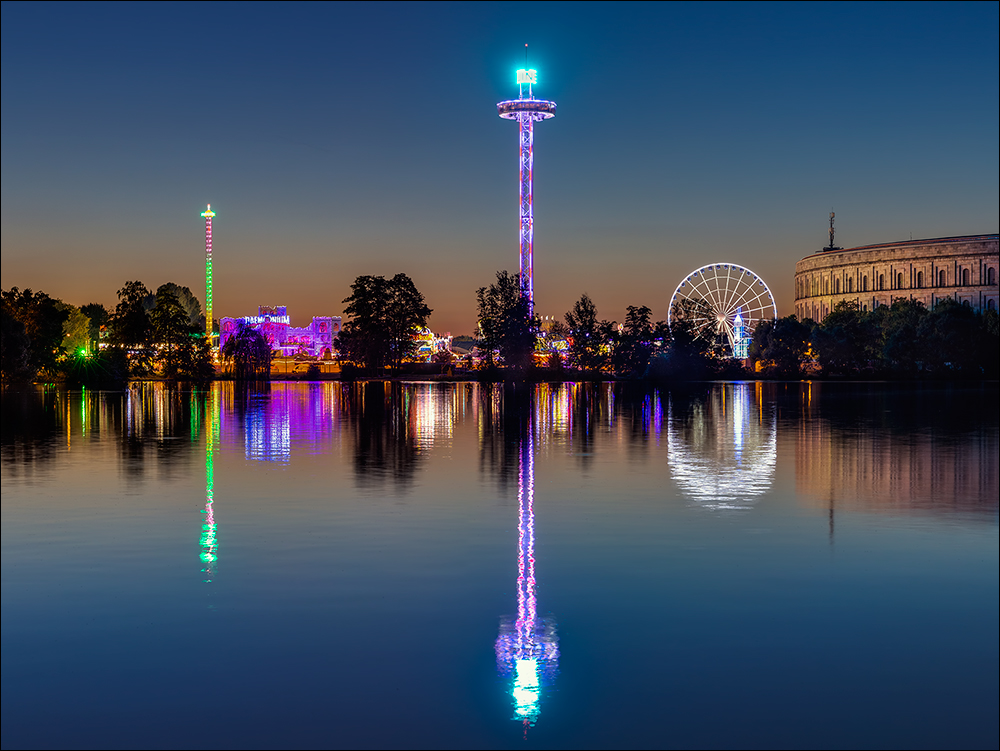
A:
(342, 139)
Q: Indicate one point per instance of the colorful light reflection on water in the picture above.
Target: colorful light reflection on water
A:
(368, 551)
(209, 540)
(527, 649)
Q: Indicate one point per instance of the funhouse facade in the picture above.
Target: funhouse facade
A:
(274, 324)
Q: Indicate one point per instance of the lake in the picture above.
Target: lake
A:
(468, 565)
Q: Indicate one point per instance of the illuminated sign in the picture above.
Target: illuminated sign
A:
(267, 319)
(527, 76)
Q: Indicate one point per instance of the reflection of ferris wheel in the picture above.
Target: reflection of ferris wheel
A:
(737, 299)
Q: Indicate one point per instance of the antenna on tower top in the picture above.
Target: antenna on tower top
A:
(831, 246)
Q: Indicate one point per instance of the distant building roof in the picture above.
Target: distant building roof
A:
(905, 243)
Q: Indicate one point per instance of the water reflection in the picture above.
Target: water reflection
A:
(209, 541)
(722, 449)
(30, 422)
(527, 648)
(865, 447)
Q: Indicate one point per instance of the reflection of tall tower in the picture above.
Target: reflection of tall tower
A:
(526, 111)
(208, 542)
(528, 648)
(208, 214)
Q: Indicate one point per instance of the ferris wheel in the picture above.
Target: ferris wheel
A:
(736, 300)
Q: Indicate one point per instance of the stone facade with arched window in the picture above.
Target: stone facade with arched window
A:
(962, 268)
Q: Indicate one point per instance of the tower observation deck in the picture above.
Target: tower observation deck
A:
(526, 110)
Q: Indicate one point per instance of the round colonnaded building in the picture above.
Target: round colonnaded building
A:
(962, 268)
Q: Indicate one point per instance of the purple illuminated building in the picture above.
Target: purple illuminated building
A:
(314, 340)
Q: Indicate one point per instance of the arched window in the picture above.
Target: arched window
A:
(899, 280)
(864, 283)
(837, 284)
(920, 279)
(991, 305)
(881, 281)
(850, 285)
(942, 278)
(991, 276)
(965, 277)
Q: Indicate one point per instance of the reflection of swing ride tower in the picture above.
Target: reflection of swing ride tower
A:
(527, 648)
(208, 542)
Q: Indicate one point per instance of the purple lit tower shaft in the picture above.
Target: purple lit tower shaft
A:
(526, 124)
(526, 110)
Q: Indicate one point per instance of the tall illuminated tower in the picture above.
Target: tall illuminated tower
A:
(527, 110)
(208, 214)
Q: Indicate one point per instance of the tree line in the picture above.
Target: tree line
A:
(163, 332)
(902, 340)
(146, 332)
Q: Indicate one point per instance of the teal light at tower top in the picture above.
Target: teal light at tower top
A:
(527, 76)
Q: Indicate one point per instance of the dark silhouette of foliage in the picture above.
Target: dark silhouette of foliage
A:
(842, 342)
(385, 313)
(246, 354)
(131, 329)
(98, 316)
(955, 339)
(172, 331)
(507, 328)
(780, 346)
(897, 342)
(585, 334)
(636, 342)
(184, 297)
(36, 344)
(905, 340)
(693, 347)
(15, 349)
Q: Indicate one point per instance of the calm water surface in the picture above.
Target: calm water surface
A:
(460, 565)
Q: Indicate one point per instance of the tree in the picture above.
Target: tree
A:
(900, 349)
(172, 330)
(384, 315)
(247, 354)
(42, 324)
(131, 328)
(507, 328)
(98, 316)
(635, 342)
(406, 313)
(76, 330)
(952, 338)
(780, 346)
(185, 298)
(584, 333)
(692, 348)
(15, 349)
(843, 341)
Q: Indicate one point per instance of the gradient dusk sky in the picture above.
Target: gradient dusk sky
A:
(335, 140)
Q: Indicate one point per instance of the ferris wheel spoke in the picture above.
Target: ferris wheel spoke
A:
(712, 290)
(724, 289)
